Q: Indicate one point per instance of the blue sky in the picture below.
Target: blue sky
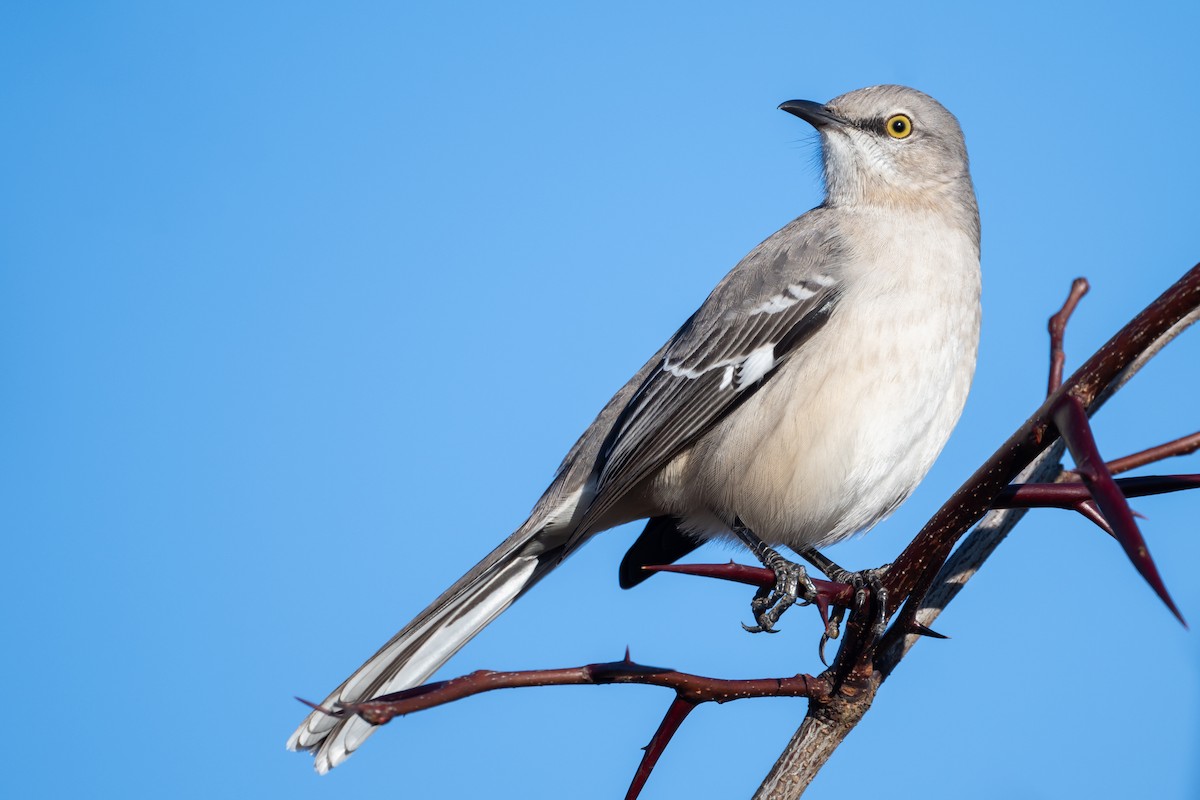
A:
(301, 304)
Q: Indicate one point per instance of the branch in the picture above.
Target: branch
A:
(676, 714)
(1031, 454)
(690, 691)
(1058, 328)
(914, 571)
(694, 688)
(1182, 446)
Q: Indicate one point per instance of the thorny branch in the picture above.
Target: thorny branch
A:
(690, 691)
(1024, 473)
(691, 688)
(924, 575)
(913, 572)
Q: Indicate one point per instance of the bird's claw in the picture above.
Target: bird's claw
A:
(792, 585)
(833, 629)
(867, 584)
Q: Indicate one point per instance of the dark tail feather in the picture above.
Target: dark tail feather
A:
(661, 542)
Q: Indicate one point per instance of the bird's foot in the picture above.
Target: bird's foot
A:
(868, 585)
(792, 585)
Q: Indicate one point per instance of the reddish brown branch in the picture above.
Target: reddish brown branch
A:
(1179, 447)
(693, 688)
(914, 570)
(677, 712)
(1058, 327)
(1070, 495)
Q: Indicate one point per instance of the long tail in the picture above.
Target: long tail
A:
(428, 641)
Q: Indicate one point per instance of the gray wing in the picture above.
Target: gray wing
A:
(772, 301)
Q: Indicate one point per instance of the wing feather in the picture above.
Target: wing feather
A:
(754, 320)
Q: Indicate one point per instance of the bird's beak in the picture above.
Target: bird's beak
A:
(814, 114)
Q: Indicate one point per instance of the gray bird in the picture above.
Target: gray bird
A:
(802, 403)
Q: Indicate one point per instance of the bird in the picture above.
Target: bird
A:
(800, 404)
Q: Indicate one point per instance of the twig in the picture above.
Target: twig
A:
(1058, 327)
(1070, 495)
(676, 714)
(1178, 447)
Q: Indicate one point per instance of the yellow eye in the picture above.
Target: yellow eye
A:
(898, 126)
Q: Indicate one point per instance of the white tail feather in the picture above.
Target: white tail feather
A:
(417, 651)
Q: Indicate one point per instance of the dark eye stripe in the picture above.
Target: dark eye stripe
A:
(876, 126)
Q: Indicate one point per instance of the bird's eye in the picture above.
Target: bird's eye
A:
(899, 126)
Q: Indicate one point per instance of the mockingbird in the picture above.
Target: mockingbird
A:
(802, 403)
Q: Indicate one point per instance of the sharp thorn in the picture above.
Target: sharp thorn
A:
(1070, 417)
(322, 709)
(922, 630)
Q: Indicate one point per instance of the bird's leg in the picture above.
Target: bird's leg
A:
(867, 584)
(791, 583)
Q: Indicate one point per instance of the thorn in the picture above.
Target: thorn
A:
(1070, 417)
(922, 630)
(322, 709)
(739, 573)
(1089, 511)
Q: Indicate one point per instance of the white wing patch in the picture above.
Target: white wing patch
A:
(777, 303)
(795, 293)
(740, 371)
(801, 292)
(760, 361)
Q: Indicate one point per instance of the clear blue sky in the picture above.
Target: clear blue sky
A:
(300, 305)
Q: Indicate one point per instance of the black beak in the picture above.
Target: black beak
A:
(814, 114)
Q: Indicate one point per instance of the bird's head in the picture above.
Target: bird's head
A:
(889, 146)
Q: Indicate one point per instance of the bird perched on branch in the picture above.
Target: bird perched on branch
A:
(802, 403)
